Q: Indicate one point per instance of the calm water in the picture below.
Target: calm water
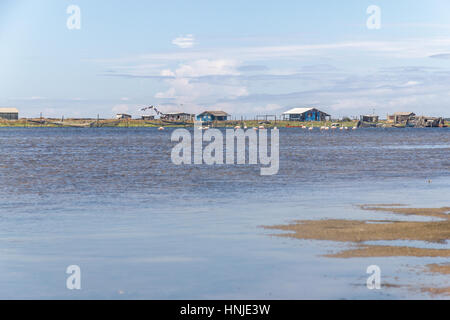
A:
(112, 202)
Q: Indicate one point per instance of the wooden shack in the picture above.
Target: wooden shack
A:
(177, 116)
(213, 116)
(429, 122)
(401, 117)
(369, 118)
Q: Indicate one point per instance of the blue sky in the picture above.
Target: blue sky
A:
(243, 57)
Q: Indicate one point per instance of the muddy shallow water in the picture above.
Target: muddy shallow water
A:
(111, 201)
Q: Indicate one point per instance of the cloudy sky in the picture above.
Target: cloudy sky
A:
(243, 57)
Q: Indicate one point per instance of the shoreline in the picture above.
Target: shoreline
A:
(137, 123)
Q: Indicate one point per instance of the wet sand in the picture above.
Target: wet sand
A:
(439, 268)
(443, 269)
(357, 232)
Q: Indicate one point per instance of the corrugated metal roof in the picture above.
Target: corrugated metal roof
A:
(9, 110)
(403, 113)
(176, 112)
(298, 110)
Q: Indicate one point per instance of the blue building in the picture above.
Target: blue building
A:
(212, 116)
(306, 114)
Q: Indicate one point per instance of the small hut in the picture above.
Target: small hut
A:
(369, 118)
(400, 117)
(213, 116)
(177, 116)
(123, 116)
(432, 122)
(9, 113)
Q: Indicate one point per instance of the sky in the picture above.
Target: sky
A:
(244, 57)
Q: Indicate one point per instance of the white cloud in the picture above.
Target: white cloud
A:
(184, 89)
(33, 98)
(205, 67)
(184, 42)
(364, 76)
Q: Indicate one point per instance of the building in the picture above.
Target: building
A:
(399, 117)
(9, 113)
(177, 116)
(369, 118)
(306, 114)
(433, 122)
(146, 117)
(213, 116)
(123, 116)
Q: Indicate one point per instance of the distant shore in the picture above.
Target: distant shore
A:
(94, 123)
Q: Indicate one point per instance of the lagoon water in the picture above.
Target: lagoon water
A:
(110, 201)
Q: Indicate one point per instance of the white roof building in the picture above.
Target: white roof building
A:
(305, 114)
(9, 110)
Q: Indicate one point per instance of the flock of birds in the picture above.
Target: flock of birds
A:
(276, 128)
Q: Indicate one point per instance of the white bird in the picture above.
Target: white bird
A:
(237, 127)
(161, 128)
(261, 127)
(311, 128)
(275, 128)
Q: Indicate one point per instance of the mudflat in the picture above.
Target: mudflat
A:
(358, 232)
